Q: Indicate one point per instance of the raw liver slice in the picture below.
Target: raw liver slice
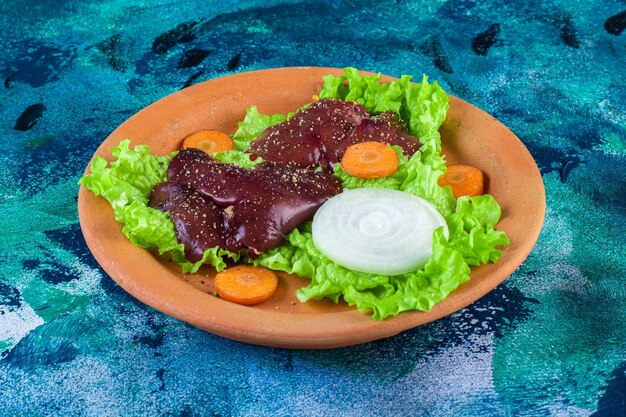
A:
(258, 206)
(198, 221)
(320, 134)
(279, 198)
(385, 128)
(315, 136)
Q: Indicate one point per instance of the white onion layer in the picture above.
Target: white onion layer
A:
(379, 231)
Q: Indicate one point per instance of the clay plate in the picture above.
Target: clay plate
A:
(469, 135)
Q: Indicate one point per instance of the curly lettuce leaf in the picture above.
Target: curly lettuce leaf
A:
(423, 106)
(443, 273)
(472, 241)
(422, 180)
(126, 184)
(472, 230)
(384, 296)
(252, 126)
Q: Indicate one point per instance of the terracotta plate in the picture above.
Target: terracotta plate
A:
(469, 135)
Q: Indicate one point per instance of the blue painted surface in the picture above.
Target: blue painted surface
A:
(550, 341)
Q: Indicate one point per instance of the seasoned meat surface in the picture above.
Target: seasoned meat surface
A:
(257, 207)
(320, 134)
(198, 221)
(385, 128)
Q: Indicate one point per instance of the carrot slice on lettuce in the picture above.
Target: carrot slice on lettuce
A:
(370, 160)
(464, 180)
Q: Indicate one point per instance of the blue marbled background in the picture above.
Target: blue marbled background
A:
(550, 341)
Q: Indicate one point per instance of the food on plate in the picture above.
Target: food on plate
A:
(217, 204)
(246, 284)
(209, 141)
(254, 202)
(464, 180)
(385, 128)
(319, 134)
(369, 160)
(378, 231)
(198, 221)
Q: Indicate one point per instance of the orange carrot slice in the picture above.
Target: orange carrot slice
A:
(370, 160)
(209, 141)
(464, 180)
(246, 284)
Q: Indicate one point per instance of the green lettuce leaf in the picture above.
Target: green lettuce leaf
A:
(423, 106)
(472, 240)
(385, 296)
(422, 180)
(252, 126)
(443, 273)
(472, 230)
(126, 184)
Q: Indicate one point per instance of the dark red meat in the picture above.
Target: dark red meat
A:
(316, 135)
(163, 195)
(198, 221)
(257, 206)
(320, 134)
(386, 128)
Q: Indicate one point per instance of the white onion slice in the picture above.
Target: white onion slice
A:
(378, 231)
